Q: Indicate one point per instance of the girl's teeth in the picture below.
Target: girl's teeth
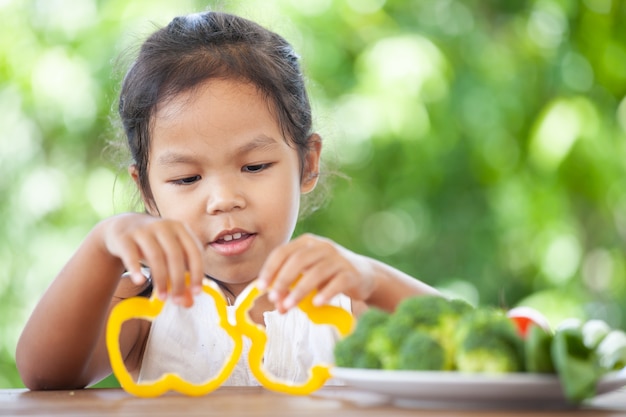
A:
(228, 238)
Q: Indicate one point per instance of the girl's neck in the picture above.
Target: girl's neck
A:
(231, 291)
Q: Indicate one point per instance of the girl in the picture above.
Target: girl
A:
(219, 127)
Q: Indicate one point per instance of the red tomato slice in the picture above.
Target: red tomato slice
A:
(524, 317)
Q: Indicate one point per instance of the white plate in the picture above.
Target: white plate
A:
(418, 389)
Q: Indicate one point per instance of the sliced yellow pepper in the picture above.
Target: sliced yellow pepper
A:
(318, 374)
(148, 309)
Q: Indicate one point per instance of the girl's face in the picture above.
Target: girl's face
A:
(220, 164)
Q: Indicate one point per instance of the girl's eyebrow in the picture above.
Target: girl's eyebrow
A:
(258, 143)
(174, 158)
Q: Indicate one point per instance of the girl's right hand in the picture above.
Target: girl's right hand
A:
(168, 247)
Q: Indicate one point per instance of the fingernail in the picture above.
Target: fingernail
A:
(318, 300)
(196, 289)
(289, 302)
(138, 278)
(162, 295)
(179, 300)
(272, 296)
(262, 285)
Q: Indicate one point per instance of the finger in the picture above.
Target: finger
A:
(330, 289)
(314, 278)
(270, 267)
(131, 259)
(154, 257)
(187, 299)
(174, 264)
(193, 258)
(275, 261)
(298, 264)
(293, 259)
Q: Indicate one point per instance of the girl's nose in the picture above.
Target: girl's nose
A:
(224, 197)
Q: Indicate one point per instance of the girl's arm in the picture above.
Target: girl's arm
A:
(320, 264)
(60, 346)
(63, 343)
(392, 286)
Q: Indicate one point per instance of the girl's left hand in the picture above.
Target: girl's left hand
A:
(311, 262)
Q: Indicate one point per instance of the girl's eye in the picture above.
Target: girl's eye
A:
(187, 180)
(256, 167)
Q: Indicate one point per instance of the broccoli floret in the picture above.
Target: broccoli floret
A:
(381, 346)
(350, 352)
(371, 319)
(492, 357)
(387, 341)
(353, 351)
(433, 315)
(421, 352)
(448, 327)
(460, 307)
(487, 341)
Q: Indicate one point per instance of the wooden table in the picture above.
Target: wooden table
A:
(258, 402)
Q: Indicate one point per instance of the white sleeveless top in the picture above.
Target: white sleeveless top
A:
(190, 343)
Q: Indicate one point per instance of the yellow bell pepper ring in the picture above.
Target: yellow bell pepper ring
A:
(341, 319)
(149, 309)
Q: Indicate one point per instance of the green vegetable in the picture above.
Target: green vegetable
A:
(353, 351)
(537, 355)
(611, 351)
(421, 352)
(488, 341)
(575, 363)
(594, 331)
(433, 315)
(350, 353)
(381, 346)
(433, 333)
(379, 338)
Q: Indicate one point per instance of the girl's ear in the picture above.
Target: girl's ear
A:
(311, 170)
(134, 173)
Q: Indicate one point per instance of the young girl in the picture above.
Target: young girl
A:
(219, 127)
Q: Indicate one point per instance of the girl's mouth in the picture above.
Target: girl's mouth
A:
(230, 238)
(232, 244)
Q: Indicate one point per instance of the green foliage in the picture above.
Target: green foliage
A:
(483, 140)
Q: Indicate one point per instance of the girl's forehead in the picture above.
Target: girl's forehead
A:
(216, 91)
(217, 113)
(214, 99)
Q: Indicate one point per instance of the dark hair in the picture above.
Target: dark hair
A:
(195, 48)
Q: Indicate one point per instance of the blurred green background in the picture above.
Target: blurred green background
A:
(481, 142)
